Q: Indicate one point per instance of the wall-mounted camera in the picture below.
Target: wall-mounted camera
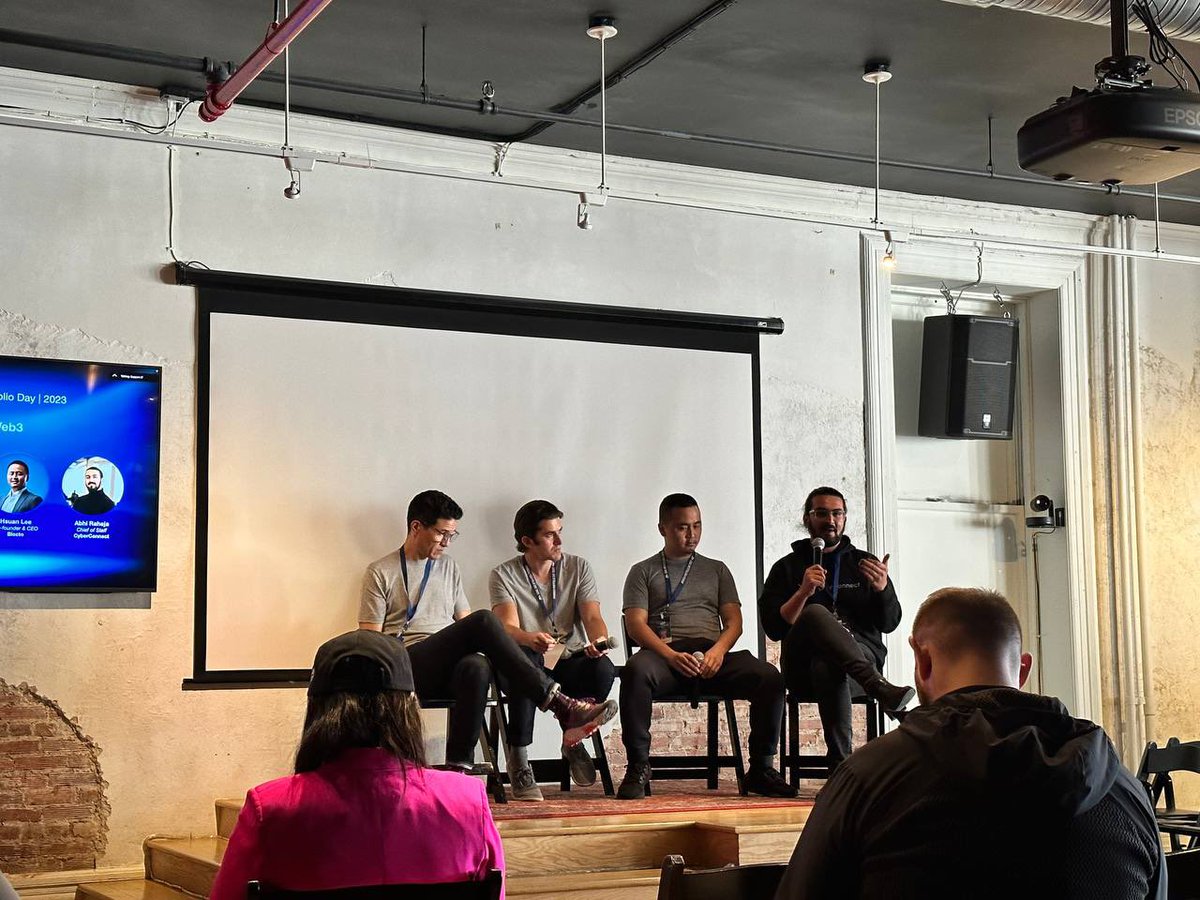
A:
(1047, 514)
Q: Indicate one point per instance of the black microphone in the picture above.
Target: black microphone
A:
(818, 544)
(606, 643)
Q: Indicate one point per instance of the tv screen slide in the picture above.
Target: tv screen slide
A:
(79, 449)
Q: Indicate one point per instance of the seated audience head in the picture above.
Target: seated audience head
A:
(527, 523)
(361, 694)
(963, 637)
(679, 524)
(432, 524)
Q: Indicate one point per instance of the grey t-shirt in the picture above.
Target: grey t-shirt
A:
(508, 583)
(385, 602)
(694, 612)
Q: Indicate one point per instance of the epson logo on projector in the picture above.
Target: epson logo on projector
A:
(1178, 115)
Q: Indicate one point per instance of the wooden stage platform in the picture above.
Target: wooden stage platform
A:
(561, 851)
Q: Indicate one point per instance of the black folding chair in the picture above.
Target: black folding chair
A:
(1155, 773)
(487, 889)
(729, 883)
(1183, 875)
(491, 733)
(799, 765)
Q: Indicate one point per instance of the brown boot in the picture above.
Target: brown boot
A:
(579, 718)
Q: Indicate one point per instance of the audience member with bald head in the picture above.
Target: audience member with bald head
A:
(984, 791)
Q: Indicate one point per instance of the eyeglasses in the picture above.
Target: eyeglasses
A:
(443, 536)
(819, 513)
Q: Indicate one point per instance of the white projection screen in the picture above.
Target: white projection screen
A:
(324, 409)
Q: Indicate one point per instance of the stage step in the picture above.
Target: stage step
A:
(186, 863)
(186, 866)
(133, 889)
(707, 838)
(628, 884)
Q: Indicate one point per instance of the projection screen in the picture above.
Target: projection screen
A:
(323, 409)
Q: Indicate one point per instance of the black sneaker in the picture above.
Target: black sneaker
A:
(768, 782)
(633, 785)
(892, 697)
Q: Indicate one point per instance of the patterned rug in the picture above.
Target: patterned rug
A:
(669, 796)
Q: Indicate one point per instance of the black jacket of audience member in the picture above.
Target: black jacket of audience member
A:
(986, 793)
(870, 615)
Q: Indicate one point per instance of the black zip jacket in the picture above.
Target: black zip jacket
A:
(986, 793)
(869, 614)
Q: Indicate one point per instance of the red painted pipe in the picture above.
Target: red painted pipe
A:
(221, 96)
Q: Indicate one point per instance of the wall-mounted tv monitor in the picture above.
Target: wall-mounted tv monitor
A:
(79, 453)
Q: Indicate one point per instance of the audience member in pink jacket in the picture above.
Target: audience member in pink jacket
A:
(362, 807)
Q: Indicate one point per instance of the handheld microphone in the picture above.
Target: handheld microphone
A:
(698, 656)
(818, 544)
(606, 643)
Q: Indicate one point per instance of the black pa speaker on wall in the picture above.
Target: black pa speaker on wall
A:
(968, 377)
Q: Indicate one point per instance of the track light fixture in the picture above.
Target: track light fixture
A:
(877, 72)
(602, 28)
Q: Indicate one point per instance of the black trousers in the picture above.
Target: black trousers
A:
(578, 676)
(742, 676)
(819, 657)
(456, 664)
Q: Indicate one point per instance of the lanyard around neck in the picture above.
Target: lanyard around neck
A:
(413, 604)
(537, 590)
(673, 595)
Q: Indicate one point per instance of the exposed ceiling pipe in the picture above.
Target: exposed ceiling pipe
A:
(221, 96)
(1178, 18)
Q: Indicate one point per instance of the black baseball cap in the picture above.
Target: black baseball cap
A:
(361, 662)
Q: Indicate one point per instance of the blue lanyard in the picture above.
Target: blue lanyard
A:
(537, 591)
(835, 576)
(673, 595)
(412, 607)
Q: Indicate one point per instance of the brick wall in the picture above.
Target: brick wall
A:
(53, 812)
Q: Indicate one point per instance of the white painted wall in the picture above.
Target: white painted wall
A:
(84, 242)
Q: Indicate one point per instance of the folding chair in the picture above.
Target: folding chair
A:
(752, 881)
(799, 765)
(487, 889)
(491, 733)
(1154, 772)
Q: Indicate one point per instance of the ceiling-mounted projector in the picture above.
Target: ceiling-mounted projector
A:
(1125, 130)
(1114, 136)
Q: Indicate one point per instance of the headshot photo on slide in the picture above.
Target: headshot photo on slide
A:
(23, 478)
(92, 485)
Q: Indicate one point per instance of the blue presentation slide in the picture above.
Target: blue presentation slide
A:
(79, 451)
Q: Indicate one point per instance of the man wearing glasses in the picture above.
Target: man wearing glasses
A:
(416, 593)
(549, 603)
(830, 604)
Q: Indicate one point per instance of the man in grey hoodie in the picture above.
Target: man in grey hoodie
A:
(983, 791)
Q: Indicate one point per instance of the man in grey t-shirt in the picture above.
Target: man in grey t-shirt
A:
(416, 594)
(682, 609)
(549, 604)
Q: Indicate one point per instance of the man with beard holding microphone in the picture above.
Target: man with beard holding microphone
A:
(830, 604)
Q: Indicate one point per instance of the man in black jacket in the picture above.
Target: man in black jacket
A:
(983, 791)
(830, 604)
